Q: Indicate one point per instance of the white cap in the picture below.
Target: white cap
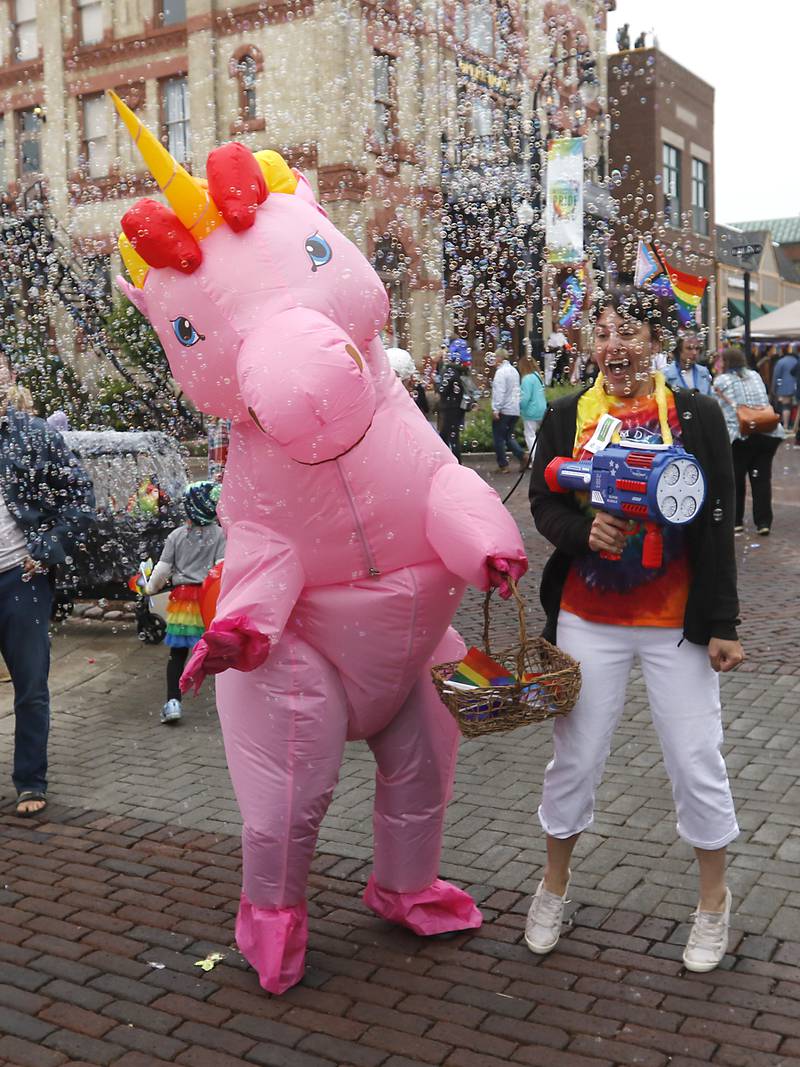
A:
(401, 363)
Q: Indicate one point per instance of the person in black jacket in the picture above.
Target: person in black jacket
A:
(455, 394)
(606, 609)
(46, 508)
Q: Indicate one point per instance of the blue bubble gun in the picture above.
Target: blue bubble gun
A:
(658, 485)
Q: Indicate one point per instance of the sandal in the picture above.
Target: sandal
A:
(29, 796)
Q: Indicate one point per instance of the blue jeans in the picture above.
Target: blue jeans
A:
(25, 645)
(503, 437)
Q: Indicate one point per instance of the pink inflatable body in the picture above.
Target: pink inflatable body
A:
(351, 534)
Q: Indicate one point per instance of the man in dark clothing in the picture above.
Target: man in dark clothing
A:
(455, 395)
(46, 508)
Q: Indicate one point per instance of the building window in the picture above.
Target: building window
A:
(28, 139)
(175, 111)
(481, 117)
(700, 197)
(26, 37)
(95, 152)
(172, 12)
(247, 73)
(672, 185)
(391, 266)
(481, 26)
(484, 26)
(91, 21)
(384, 87)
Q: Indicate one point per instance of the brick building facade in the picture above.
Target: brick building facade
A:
(371, 100)
(662, 160)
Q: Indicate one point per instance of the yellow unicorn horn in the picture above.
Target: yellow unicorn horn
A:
(186, 196)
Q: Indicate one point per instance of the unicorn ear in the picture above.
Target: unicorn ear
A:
(305, 192)
(130, 292)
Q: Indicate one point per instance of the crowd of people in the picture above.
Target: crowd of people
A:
(517, 390)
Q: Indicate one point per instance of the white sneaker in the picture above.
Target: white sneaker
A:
(171, 712)
(708, 938)
(545, 915)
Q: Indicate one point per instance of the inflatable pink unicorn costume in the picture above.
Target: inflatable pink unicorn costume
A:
(351, 534)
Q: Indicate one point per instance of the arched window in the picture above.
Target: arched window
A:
(247, 86)
(245, 66)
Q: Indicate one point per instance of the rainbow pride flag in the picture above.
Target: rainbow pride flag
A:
(653, 269)
(478, 669)
(573, 296)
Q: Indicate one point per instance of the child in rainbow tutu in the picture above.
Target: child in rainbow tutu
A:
(189, 554)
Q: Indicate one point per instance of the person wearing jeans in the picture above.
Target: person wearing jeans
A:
(505, 412)
(46, 508)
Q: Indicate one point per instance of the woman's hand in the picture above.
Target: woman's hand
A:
(608, 533)
(725, 655)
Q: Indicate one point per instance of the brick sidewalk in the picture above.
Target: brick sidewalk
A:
(106, 919)
(138, 867)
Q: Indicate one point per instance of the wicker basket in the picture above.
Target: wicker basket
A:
(497, 709)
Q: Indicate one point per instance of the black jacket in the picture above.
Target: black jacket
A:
(45, 489)
(712, 607)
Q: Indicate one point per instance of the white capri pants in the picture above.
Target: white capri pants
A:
(683, 691)
(531, 428)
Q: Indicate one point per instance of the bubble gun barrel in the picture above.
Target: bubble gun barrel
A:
(656, 485)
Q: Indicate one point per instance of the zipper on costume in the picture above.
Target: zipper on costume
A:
(372, 569)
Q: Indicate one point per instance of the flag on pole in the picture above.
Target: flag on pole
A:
(688, 291)
(573, 295)
(648, 265)
(653, 269)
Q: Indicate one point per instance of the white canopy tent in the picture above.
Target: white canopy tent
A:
(780, 325)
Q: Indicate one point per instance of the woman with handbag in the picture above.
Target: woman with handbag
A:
(606, 607)
(755, 435)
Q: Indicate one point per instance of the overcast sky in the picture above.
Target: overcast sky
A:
(749, 52)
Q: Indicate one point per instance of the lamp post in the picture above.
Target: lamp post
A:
(587, 91)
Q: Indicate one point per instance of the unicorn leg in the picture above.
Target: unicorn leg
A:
(416, 757)
(284, 727)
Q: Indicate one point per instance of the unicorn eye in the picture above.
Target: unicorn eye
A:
(185, 332)
(318, 251)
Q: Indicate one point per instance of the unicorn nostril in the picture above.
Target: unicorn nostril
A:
(254, 417)
(355, 355)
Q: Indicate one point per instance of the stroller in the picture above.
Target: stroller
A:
(139, 479)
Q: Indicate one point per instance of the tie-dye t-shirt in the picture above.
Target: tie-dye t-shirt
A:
(622, 592)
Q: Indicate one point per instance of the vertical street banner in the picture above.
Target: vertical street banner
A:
(564, 214)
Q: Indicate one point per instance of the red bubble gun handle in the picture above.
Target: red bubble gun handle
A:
(653, 547)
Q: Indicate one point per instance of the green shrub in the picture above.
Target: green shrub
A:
(477, 433)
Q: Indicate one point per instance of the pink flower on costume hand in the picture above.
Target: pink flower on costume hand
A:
(500, 570)
(229, 643)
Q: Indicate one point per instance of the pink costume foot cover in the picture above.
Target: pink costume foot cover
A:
(273, 940)
(439, 909)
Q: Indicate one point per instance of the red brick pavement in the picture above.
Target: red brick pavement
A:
(102, 921)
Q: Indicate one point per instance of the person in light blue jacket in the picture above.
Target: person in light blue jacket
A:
(532, 401)
(684, 372)
(786, 386)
